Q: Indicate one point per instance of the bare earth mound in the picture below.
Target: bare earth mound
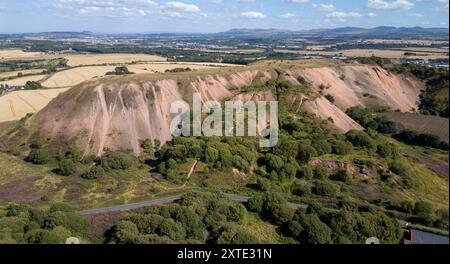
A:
(364, 85)
(121, 112)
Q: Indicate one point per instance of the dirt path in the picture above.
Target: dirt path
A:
(190, 173)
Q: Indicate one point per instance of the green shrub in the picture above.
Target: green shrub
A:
(302, 188)
(66, 167)
(343, 176)
(39, 156)
(423, 209)
(326, 189)
(117, 160)
(95, 172)
(321, 173)
(361, 139)
(342, 147)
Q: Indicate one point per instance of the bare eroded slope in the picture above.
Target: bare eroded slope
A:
(121, 114)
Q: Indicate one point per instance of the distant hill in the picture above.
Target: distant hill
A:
(385, 31)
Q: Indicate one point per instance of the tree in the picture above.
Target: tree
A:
(66, 167)
(321, 173)
(302, 188)
(256, 203)
(305, 153)
(32, 85)
(316, 232)
(282, 214)
(361, 139)
(326, 189)
(343, 176)
(173, 230)
(211, 155)
(342, 147)
(124, 232)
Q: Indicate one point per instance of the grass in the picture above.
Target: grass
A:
(265, 232)
(434, 125)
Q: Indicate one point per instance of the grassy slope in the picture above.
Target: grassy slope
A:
(434, 125)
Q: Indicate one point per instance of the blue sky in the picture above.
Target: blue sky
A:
(145, 16)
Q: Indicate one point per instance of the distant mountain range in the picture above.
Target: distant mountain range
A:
(344, 31)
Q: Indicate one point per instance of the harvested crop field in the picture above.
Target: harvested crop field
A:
(24, 72)
(15, 105)
(72, 77)
(162, 67)
(9, 54)
(434, 125)
(23, 80)
(96, 59)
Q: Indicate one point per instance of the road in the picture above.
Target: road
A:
(166, 200)
(430, 234)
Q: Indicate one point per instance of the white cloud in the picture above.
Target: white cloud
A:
(297, 1)
(288, 15)
(181, 7)
(371, 14)
(324, 7)
(338, 14)
(389, 5)
(253, 15)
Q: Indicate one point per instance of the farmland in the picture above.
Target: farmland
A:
(419, 53)
(421, 123)
(16, 105)
(23, 80)
(15, 54)
(97, 59)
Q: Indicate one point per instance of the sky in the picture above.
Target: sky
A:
(196, 16)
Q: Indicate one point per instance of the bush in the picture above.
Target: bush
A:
(31, 85)
(282, 214)
(117, 160)
(306, 172)
(342, 148)
(124, 232)
(343, 176)
(66, 167)
(330, 98)
(95, 172)
(120, 70)
(256, 203)
(61, 207)
(321, 173)
(400, 168)
(173, 230)
(361, 139)
(407, 207)
(39, 156)
(305, 153)
(301, 188)
(326, 189)
(315, 232)
(423, 209)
